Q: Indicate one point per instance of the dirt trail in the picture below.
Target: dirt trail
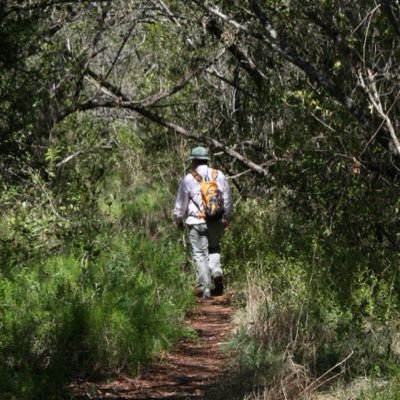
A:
(192, 371)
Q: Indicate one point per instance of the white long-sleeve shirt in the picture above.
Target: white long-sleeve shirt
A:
(188, 201)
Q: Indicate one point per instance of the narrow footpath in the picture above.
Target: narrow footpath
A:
(193, 370)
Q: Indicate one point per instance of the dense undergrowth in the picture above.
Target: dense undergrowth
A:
(315, 314)
(93, 280)
(63, 315)
(91, 289)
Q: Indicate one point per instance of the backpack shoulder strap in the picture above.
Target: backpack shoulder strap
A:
(197, 176)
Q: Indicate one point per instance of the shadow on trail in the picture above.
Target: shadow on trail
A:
(229, 387)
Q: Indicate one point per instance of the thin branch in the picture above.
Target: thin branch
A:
(170, 14)
(322, 122)
(151, 100)
(229, 82)
(373, 96)
(369, 18)
(318, 382)
(239, 174)
(121, 47)
(83, 151)
(243, 59)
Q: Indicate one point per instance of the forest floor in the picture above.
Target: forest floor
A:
(198, 368)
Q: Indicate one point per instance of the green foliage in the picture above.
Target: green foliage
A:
(76, 182)
(40, 322)
(92, 278)
(141, 290)
(114, 313)
(150, 208)
(310, 298)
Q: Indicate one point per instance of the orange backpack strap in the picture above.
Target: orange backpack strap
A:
(200, 180)
(214, 174)
(197, 176)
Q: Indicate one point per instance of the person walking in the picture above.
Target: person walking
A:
(205, 229)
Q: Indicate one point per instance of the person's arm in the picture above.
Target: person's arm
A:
(181, 202)
(226, 195)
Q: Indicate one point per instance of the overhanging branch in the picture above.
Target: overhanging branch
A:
(210, 141)
(270, 37)
(374, 98)
(216, 144)
(110, 90)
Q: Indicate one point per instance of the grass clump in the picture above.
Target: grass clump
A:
(65, 315)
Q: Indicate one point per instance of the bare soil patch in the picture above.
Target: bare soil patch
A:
(193, 370)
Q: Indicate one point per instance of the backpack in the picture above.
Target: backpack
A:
(211, 196)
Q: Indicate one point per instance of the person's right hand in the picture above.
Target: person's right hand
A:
(179, 224)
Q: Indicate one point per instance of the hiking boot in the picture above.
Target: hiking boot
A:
(198, 291)
(206, 294)
(218, 285)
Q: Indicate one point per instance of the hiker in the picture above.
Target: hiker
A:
(205, 226)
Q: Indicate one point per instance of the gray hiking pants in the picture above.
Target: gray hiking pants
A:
(206, 250)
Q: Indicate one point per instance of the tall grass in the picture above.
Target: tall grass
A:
(65, 315)
(314, 312)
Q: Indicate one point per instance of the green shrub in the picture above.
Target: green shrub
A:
(63, 314)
